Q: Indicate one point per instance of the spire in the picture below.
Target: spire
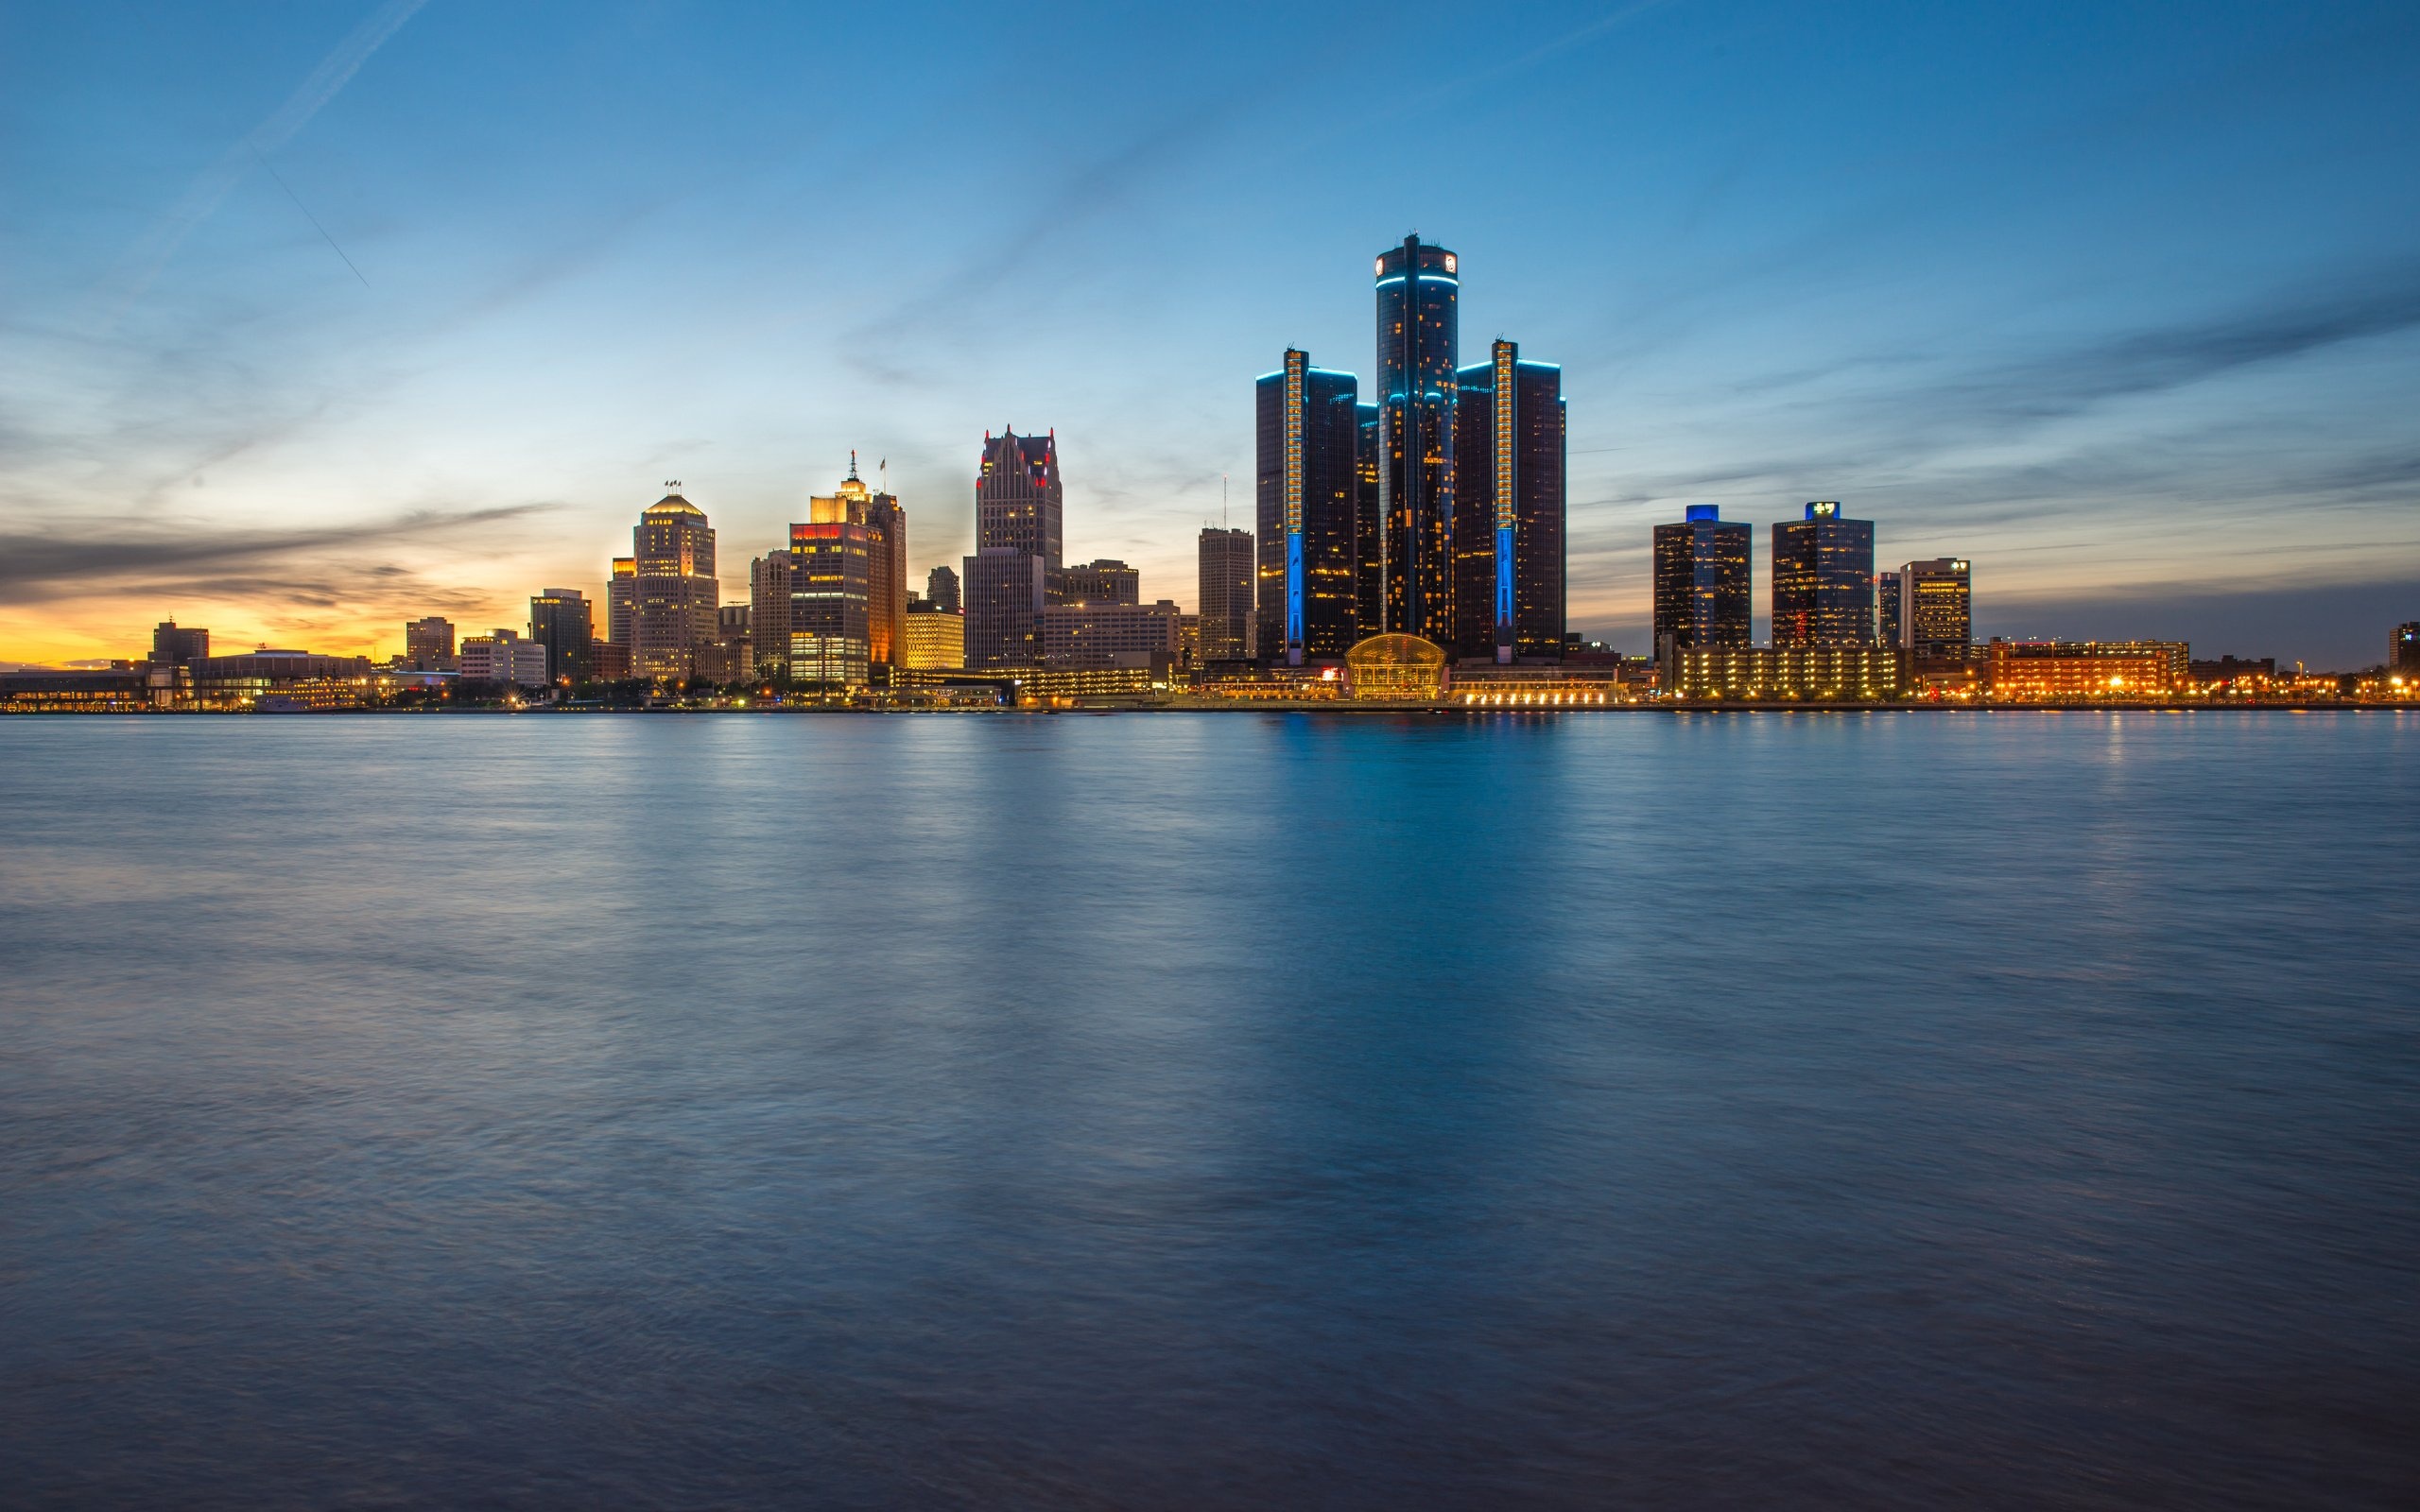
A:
(853, 464)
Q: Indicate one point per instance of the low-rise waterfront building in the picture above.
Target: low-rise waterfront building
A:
(1396, 666)
(1111, 634)
(935, 638)
(2086, 669)
(503, 657)
(1792, 674)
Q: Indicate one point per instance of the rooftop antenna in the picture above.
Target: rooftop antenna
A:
(884, 468)
(1222, 501)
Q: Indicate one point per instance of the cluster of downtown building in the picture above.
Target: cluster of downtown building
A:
(1408, 542)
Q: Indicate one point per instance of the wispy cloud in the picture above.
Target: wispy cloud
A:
(211, 187)
(110, 557)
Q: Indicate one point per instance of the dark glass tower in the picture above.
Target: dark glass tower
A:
(1508, 479)
(1822, 579)
(1702, 589)
(1886, 608)
(1419, 288)
(1305, 493)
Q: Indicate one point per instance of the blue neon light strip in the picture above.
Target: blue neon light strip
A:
(1504, 574)
(1293, 588)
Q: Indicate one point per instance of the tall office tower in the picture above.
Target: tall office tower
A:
(1823, 578)
(621, 600)
(674, 594)
(940, 590)
(887, 591)
(1305, 494)
(1418, 289)
(831, 597)
(2403, 648)
(768, 613)
(1005, 591)
(1101, 581)
(1701, 580)
(1886, 608)
(1226, 595)
(173, 648)
(1936, 608)
(1508, 490)
(1018, 497)
(559, 620)
(1368, 537)
(428, 644)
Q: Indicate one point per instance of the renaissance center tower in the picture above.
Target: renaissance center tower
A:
(1418, 291)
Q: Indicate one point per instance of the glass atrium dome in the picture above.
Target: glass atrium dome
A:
(1396, 666)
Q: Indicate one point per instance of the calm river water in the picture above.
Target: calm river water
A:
(1223, 1111)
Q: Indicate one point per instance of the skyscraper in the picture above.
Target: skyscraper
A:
(1701, 580)
(1305, 495)
(428, 644)
(2403, 648)
(831, 597)
(1226, 595)
(559, 620)
(1886, 608)
(1018, 500)
(887, 559)
(1823, 578)
(1018, 497)
(940, 589)
(621, 600)
(1509, 491)
(768, 613)
(1936, 608)
(1418, 291)
(674, 594)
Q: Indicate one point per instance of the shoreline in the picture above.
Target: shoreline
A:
(1342, 707)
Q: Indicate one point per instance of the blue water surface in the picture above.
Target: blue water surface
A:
(1220, 1110)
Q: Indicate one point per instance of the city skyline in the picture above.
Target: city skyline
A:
(262, 374)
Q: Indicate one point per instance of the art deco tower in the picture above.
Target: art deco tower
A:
(673, 593)
(1419, 289)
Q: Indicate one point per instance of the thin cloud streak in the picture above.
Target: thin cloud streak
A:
(212, 186)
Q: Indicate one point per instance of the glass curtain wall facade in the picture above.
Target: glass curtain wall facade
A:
(1509, 451)
(1886, 608)
(1701, 580)
(559, 620)
(1419, 288)
(1305, 500)
(1823, 578)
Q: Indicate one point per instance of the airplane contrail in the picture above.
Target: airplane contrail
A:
(211, 187)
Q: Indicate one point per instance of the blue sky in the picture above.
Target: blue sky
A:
(318, 317)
